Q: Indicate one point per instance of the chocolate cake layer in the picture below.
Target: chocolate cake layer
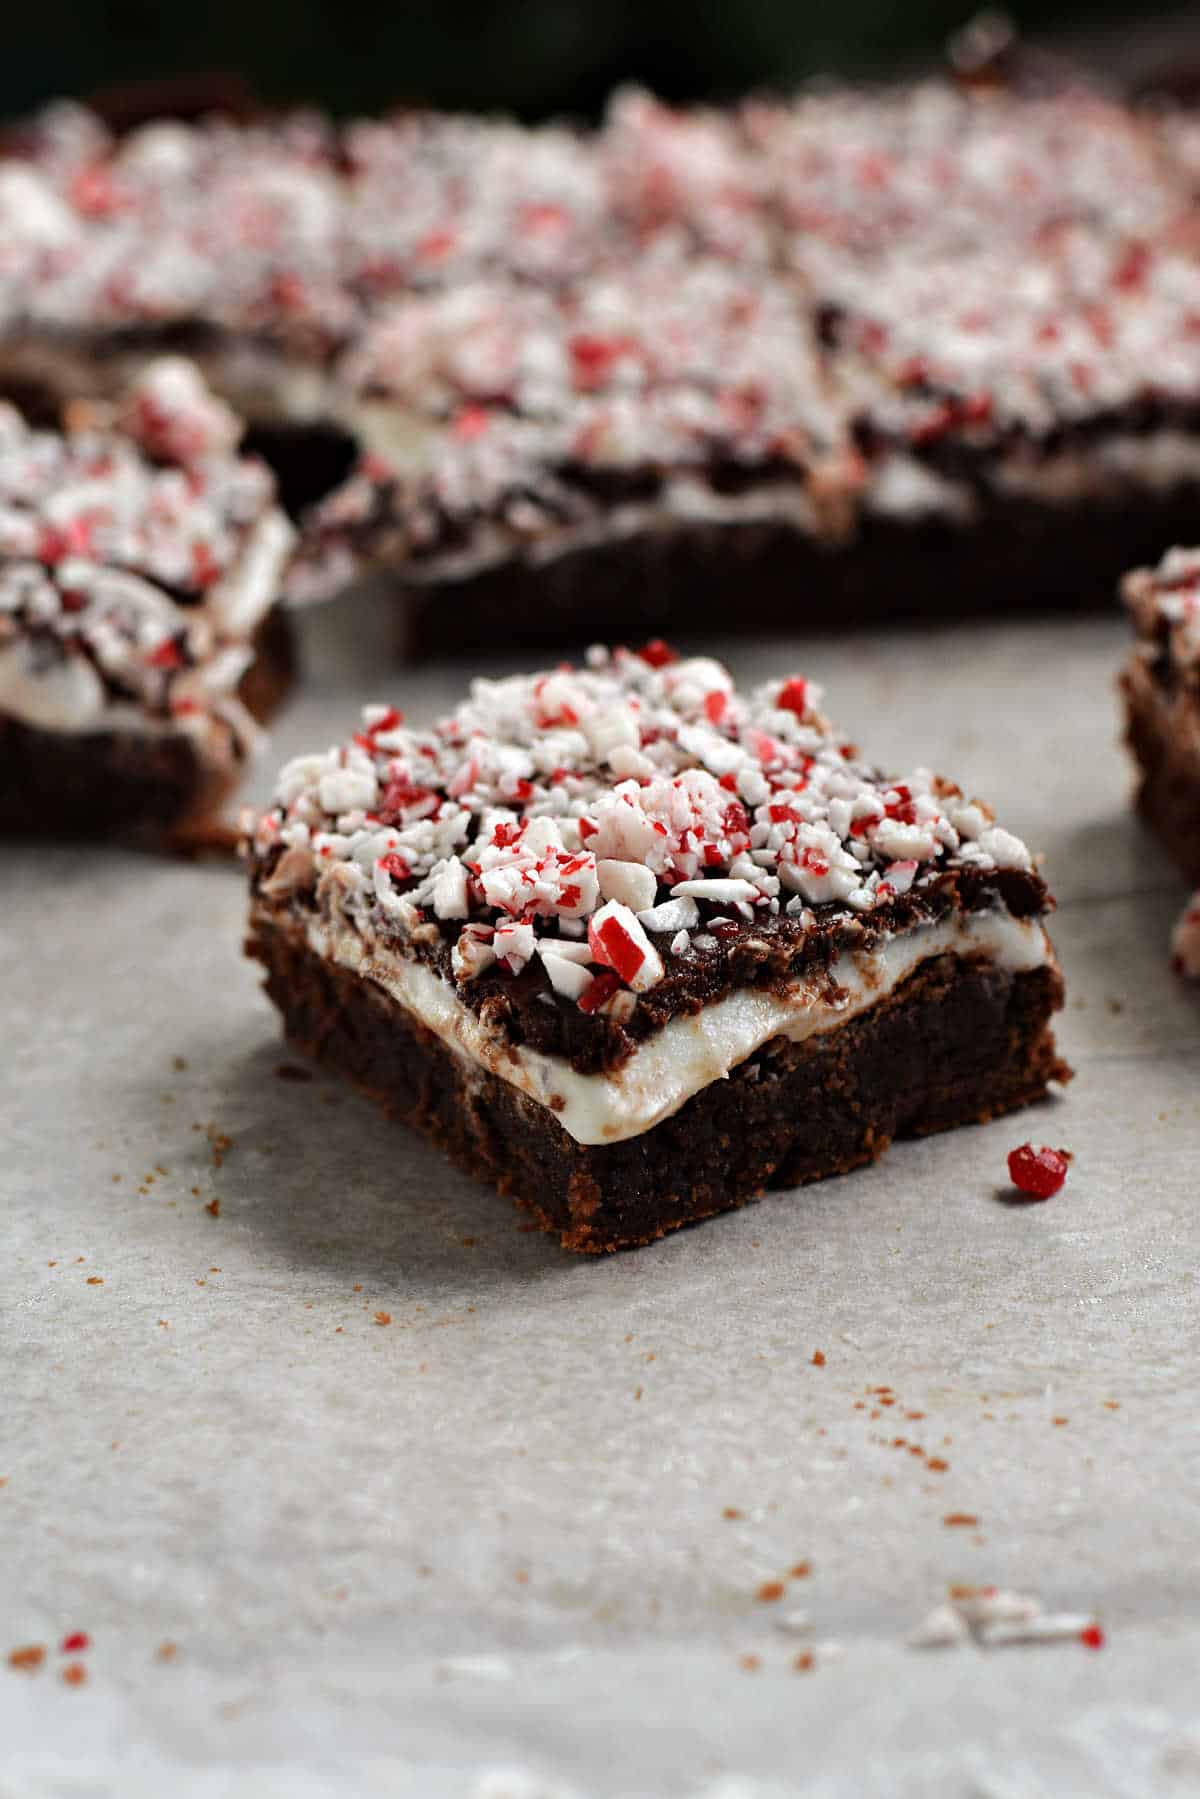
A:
(115, 784)
(693, 580)
(958, 1043)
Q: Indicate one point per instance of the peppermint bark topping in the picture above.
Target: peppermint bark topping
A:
(604, 819)
(134, 583)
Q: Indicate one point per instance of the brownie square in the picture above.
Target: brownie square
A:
(141, 560)
(634, 946)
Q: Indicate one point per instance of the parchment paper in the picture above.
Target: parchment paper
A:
(486, 1547)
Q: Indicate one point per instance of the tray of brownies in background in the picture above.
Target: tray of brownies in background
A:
(928, 348)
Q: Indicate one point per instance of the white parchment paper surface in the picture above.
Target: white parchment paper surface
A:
(510, 1541)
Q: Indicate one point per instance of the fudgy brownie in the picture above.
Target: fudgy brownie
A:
(141, 559)
(510, 428)
(1160, 685)
(635, 946)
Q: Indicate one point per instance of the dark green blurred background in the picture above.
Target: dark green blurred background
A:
(537, 57)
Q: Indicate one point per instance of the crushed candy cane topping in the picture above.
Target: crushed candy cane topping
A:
(132, 582)
(175, 417)
(587, 815)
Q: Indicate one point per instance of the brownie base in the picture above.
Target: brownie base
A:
(698, 579)
(959, 1042)
(128, 783)
(1162, 729)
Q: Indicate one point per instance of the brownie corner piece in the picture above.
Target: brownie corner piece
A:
(1160, 688)
(635, 947)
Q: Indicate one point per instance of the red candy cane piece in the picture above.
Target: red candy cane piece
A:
(617, 940)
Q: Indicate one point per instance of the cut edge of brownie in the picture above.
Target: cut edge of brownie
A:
(960, 1041)
(676, 580)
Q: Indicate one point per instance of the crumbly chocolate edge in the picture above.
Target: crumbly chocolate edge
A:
(790, 1115)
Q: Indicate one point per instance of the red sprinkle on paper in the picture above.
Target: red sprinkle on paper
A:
(1092, 1636)
(1038, 1173)
(76, 1643)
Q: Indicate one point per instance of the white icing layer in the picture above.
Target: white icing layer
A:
(51, 692)
(240, 602)
(689, 1052)
(902, 487)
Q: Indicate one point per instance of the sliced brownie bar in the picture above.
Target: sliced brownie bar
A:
(140, 564)
(635, 946)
